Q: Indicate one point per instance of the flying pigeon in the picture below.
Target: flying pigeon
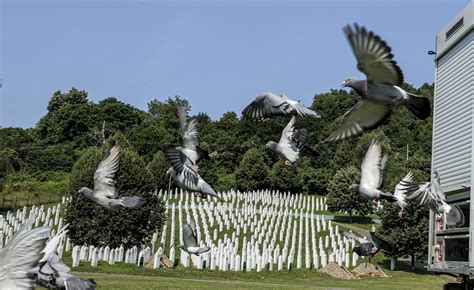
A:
(269, 105)
(401, 190)
(190, 240)
(431, 195)
(367, 248)
(190, 138)
(371, 175)
(290, 144)
(19, 258)
(185, 176)
(53, 273)
(381, 91)
(105, 193)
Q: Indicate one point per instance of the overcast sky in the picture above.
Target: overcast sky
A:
(217, 54)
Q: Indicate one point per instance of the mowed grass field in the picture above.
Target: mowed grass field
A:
(125, 276)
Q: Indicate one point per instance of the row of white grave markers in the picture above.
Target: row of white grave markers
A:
(248, 231)
(261, 230)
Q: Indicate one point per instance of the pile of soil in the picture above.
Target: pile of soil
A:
(149, 262)
(165, 262)
(334, 270)
(370, 270)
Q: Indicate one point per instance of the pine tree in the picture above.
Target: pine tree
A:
(341, 198)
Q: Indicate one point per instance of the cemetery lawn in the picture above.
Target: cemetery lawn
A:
(125, 276)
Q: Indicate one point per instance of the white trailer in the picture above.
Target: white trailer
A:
(451, 249)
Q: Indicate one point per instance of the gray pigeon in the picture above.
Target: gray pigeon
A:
(185, 176)
(190, 241)
(290, 144)
(381, 91)
(431, 195)
(371, 175)
(401, 190)
(367, 248)
(190, 138)
(105, 193)
(54, 274)
(269, 105)
(19, 258)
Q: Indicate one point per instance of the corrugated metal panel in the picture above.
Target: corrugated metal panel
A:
(452, 139)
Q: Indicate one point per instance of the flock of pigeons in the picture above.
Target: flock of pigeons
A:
(30, 258)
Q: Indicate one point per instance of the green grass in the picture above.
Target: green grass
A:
(125, 276)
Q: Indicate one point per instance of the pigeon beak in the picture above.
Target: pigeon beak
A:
(343, 85)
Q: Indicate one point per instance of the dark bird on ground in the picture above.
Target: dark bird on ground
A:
(367, 248)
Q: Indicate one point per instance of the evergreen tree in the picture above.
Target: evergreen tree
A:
(91, 224)
(341, 198)
(253, 172)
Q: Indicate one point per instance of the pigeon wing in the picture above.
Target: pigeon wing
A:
(191, 177)
(189, 132)
(192, 224)
(267, 105)
(371, 173)
(177, 159)
(75, 283)
(383, 166)
(20, 256)
(374, 57)
(362, 116)
(299, 138)
(189, 239)
(104, 182)
(288, 132)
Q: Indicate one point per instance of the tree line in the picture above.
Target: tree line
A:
(74, 125)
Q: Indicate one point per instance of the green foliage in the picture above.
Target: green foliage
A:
(25, 184)
(252, 173)
(407, 235)
(158, 167)
(93, 225)
(48, 158)
(314, 180)
(284, 178)
(341, 198)
(226, 182)
(73, 97)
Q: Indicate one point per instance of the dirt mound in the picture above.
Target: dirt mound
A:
(149, 262)
(334, 270)
(164, 262)
(370, 270)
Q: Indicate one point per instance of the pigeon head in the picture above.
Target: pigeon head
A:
(349, 82)
(271, 145)
(86, 191)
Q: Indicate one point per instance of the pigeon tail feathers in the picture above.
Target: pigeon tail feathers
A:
(132, 201)
(420, 106)
(388, 197)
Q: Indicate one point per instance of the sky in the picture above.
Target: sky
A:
(219, 55)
